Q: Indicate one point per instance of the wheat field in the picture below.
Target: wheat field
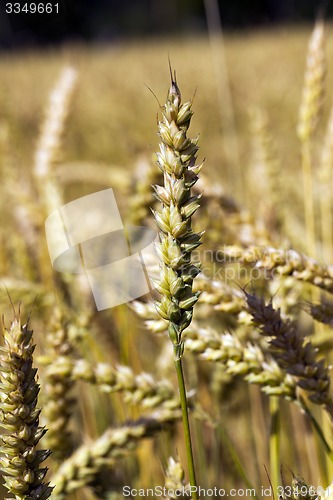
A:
(257, 354)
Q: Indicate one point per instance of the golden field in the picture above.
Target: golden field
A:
(253, 201)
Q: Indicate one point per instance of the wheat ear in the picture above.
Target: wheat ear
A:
(140, 389)
(314, 84)
(82, 467)
(283, 263)
(176, 159)
(52, 129)
(59, 403)
(247, 361)
(20, 461)
(174, 480)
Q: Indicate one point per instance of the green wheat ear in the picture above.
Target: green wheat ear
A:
(177, 161)
(20, 461)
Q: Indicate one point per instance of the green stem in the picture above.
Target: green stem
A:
(186, 426)
(326, 224)
(274, 441)
(237, 462)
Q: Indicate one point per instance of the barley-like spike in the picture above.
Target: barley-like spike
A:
(220, 295)
(292, 351)
(322, 312)
(326, 159)
(325, 186)
(20, 460)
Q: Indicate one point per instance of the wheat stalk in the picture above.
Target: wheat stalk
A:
(325, 176)
(177, 161)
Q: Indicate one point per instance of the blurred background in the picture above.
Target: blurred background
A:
(238, 55)
(110, 20)
(244, 62)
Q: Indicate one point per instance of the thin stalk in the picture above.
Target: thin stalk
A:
(316, 422)
(236, 459)
(311, 247)
(200, 458)
(308, 198)
(326, 226)
(317, 428)
(258, 423)
(221, 434)
(186, 424)
(274, 442)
